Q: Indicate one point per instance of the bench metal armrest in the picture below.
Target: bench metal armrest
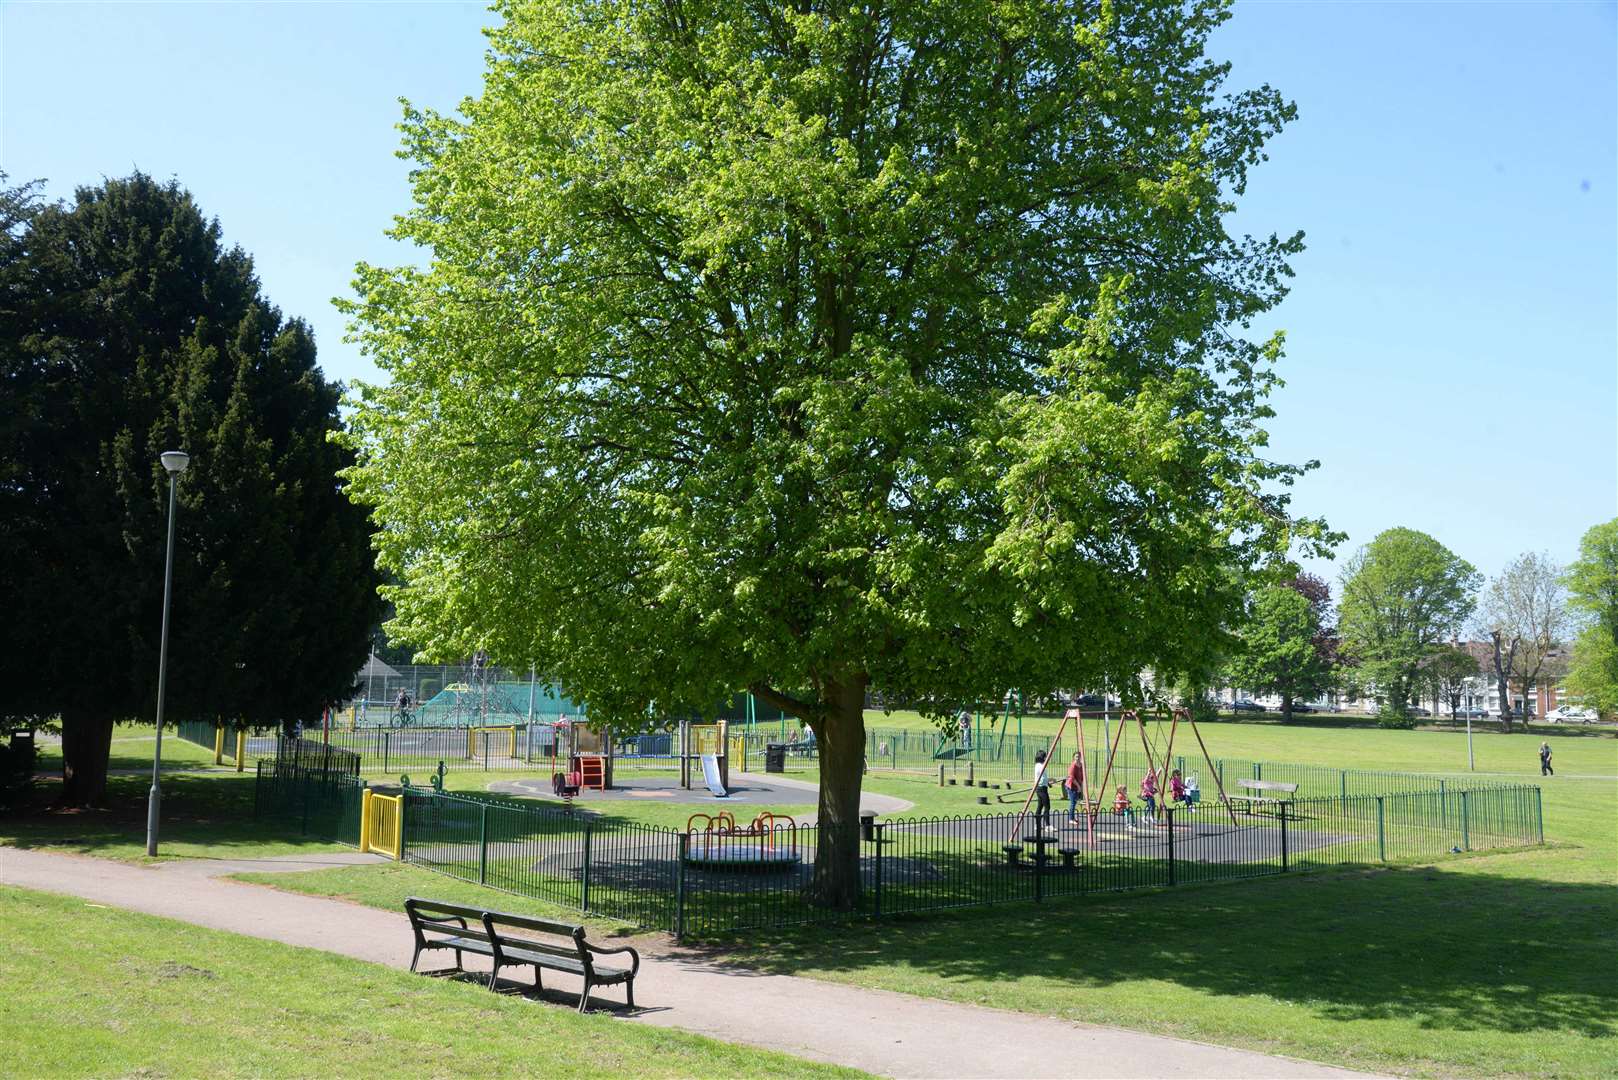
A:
(440, 919)
(634, 957)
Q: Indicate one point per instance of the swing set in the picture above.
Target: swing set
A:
(1156, 764)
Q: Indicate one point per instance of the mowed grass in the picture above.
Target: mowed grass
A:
(205, 815)
(1481, 966)
(95, 991)
(132, 747)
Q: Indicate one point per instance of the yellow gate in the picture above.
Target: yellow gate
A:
(382, 823)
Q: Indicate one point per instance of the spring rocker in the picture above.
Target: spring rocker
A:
(587, 757)
(769, 842)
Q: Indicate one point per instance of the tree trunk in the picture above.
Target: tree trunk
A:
(841, 738)
(1502, 682)
(1286, 708)
(86, 746)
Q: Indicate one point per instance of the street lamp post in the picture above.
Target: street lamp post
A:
(175, 461)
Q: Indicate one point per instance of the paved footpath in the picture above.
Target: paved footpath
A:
(885, 1033)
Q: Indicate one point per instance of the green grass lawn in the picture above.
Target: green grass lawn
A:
(205, 815)
(1495, 964)
(1482, 966)
(132, 746)
(95, 991)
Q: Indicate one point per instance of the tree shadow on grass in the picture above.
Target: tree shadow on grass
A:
(1446, 951)
(212, 810)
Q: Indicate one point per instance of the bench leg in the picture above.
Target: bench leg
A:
(629, 991)
(584, 996)
(537, 984)
(415, 956)
(494, 974)
(458, 961)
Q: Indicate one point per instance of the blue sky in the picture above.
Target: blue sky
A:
(1452, 332)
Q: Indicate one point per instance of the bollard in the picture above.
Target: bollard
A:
(241, 750)
(971, 771)
(940, 774)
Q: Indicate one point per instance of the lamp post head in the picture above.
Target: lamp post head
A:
(175, 461)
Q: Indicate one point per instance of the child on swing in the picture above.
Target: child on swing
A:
(1148, 795)
(1121, 807)
(1176, 787)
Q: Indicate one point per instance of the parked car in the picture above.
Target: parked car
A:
(1472, 714)
(1303, 706)
(1244, 705)
(1571, 714)
(1417, 710)
(1093, 701)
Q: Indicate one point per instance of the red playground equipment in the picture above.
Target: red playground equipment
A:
(769, 842)
(585, 771)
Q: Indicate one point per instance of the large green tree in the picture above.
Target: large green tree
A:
(807, 348)
(137, 331)
(1285, 645)
(1403, 594)
(1592, 584)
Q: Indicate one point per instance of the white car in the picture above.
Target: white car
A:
(1571, 714)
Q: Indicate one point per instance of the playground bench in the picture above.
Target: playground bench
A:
(1256, 794)
(439, 925)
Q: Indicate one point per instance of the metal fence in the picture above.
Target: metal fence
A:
(707, 883)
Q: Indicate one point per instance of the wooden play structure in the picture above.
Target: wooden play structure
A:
(1092, 798)
(707, 747)
(581, 759)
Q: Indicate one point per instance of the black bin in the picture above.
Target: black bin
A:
(775, 757)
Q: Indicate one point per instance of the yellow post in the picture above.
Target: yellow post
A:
(218, 746)
(365, 820)
(398, 829)
(241, 750)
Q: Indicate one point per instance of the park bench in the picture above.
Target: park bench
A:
(474, 930)
(1257, 793)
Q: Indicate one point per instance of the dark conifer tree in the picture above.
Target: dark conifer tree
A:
(139, 332)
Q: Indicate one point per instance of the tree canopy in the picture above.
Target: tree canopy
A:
(137, 331)
(1286, 647)
(805, 348)
(1403, 593)
(1524, 615)
(1592, 583)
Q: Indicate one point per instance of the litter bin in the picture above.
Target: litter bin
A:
(868, 827)
(775, 757)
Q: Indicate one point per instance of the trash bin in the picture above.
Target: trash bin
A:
(868, 827)
(775, 758)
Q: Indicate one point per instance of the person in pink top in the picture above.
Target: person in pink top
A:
(1148, 794)
(1074, 784)
(1176, 787)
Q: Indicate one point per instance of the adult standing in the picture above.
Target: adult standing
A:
(1074, 784)
(1545, 760)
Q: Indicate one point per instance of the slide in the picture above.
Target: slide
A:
(710, 773)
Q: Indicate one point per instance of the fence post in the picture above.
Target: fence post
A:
(1539, 812)
(385, 741)
(258, 782)
(684, 847)
(241, 750)
(1169, 814)
(1342, 779)
(1258, 770)
(1283, 838)
(404, 812)
(365, 820)
(1039, 870)
(1443, 805)
(483, 844)
(1381, 833)
(584, 875)
(219, 745)
(303, 828)
(1466, 826)
(877, 839)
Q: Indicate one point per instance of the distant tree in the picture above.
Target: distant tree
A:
(1448, 669)
(1524, 617)
(806, 349)
(1283, 646)
(1403, 593)
(1592, 583)
(138, 332)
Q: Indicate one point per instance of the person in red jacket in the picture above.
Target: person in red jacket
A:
(1074, 785)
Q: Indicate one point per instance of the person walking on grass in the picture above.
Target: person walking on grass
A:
(1075, 784)
(1545, 760)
